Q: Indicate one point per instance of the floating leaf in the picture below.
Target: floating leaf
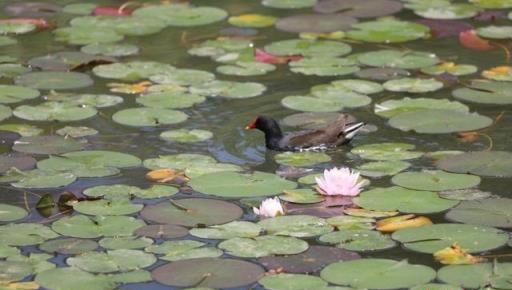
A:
(111, 49)
(413, 85)
(252, 20)
(184, 250)
(435, 180)
(208, 272)
(54, 80)
(11, 213)
(54, 111)
(140, 117)
(80, 226)
(263, 246)
(227, 89)
(393, 224)
(292, 281)
(112, 261)
(246, 68)
(192, 212)
(182, 15)
(107, 207)
(308, 47)
(76, 132)
(296, 226)
(66, 278)
(315, 23)
(488, 212)
(495, 275)
(324, 66)
(392, 274)
(392, 108)
(78, 35)
(403, 200)
(359, 240)
(38, 178)
(398, 59)
(303, 195)
(483, 163)
(382, 168)
(485, 92)
(234, 229)
(19, 161)
(432, 238)
(69, 246)
(47, 145)
(452, 11)
(162, 231)
(25, 234)
(301, 158)
(186, 136)
(386, 30)
(386, 151)
(289, 4)
(455, 255)
(367, 9)
(15, 94)
(132, 71)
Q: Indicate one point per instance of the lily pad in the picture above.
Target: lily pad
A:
(377, 274)
(208, 272)
(495, 275)
(315, 23)
(69, 246)
(483, 163)
(67, 60)
(162, 231)
(183, 250)
(76, 132)
(182, 15)
(386, 30)
(141, 117)
(382, 74)
(310, 261)
(300, 226)
(435, 180)
(78, 35)
(171, 100)
(132, 71)
(289, 4)
(14, 271)
(263, 246)
(485, 92)
(301, 158)
(5, 112)
(308, 47)
(67, 278)
(111, 49)
(14, 94)
(359, 240)
(131, 242)
(80, 226)
(450, 68)
(228, 89)
(54, 111)
(54, 80)
(112, 261)
(17, 160)
(452, 11)
(233, 184)
(465, 194)
(302, 196)
(439, 121)
(433, 238)
(398, 59)
(183, 77)
(435, 286)
(246, 68)
(11, 213)
(493, 212)
(392, 108)
(91, 100)
(31, 9)
(311, 120)
(47, 145)
(16, 28)
(234, 229)
(387, 151)
(186, 136)
(191, 212)
(413, 85)
(286, 281)
(252, 20)
(324, 66)
(107, 207)
(25, 234)
(122, 191)
(38, 178)
(403, 200)
(382, 168)
(354, 8)
(326, 101)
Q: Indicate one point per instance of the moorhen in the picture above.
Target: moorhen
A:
(337, 133)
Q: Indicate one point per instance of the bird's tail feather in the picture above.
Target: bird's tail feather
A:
(352, 129)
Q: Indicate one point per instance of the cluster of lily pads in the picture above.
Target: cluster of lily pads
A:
(200, 233)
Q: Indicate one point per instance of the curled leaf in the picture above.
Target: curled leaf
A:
(455, 255)
(137, 88)
(167, 175)
(402, 222)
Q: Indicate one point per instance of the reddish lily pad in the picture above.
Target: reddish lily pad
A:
(18, 160)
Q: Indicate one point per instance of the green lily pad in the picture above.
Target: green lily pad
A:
(388, 30)
(112, 261)
(111, 49)
(233, 184)
(78, 35)
(67, 61)
(346, 222)
(367, 9)
(485, 275)
(16, 28)
(300, 226)
(352, 85)
(493, 4)
(47, 80)
(172, 100)
(5, 112)
(435, 286)
(435, 180)
(315, 23)
(391, 108)
(263, 246)
(182, 15)
(483, 163)
(286, 281)
(186, 136)
(324, 66)
(220, 273)
(359, 240)
(7, 40)
(14, 94)
(413, 85)
(67, 278)
(14, 271)
(11, 213)
(377, 274)
(227, 89)
(450, 68)
(439, 121)
(403, 200)
(184, 250)
(132, 71)
(54, 111)
(193, 164)
(76, 132)
(289, 4)
(234, 229)
(183, 77)
(382, 168)
(47, 145)
(129, 26)
(308, 47)
(301, 158)
(252, 20)
(493, 212)
(162, 231)
(38, 178)
(433, 238)
(69, 246)
(303, 195)
(246, 68)
(387, 151)
(452, 11)
(12, 70)
(326, 101)
(485, 92)
(398, 59)
(116, 191)
(80, 226)
(192, 212)
(91, 100)
(107, 207)
(131, 242)
(25, 234)
(24, 130)
(141, 117)
(465, 194)
(79, 8)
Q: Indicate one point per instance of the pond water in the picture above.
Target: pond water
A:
(431, 79)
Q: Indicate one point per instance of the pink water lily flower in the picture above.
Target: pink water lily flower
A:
(339, 181)
(270, 207)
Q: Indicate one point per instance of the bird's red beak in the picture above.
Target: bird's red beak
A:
(251, 125)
